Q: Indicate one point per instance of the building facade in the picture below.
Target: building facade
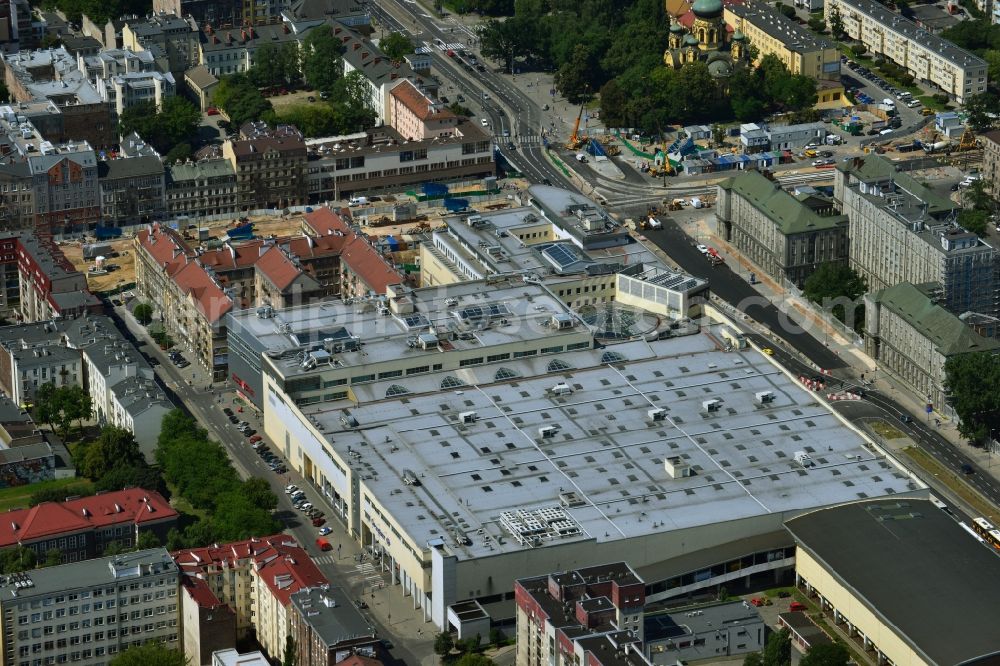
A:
(127, 600)
(203, 188)
(774, 34)
(269, 165)
(912, 337)
(327, 627)
(417, 116)
(49, 286)
(929, 58)
(168, 35)
(991, 160)
(903, 232)
(133, 187)
(783, 236)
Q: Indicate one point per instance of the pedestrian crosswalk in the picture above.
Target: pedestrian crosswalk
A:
(522, 139)
(325, 559)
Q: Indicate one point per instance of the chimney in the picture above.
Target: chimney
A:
(364, 54)
(243, 35)
(378, 60)
(356, 46)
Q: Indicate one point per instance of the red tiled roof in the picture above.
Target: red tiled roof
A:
(315, 246)
(200, 592)
(165, 247)
(278, 268)
(417, 103)
(208, 297)
(134, 506)
(281, 563)
(324, 221)
(231, 255)
(368, 264)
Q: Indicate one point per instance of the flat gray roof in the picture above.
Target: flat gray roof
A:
(459, 307)
(698, 619)
(332, 615)
(915, 568)
(85, 574)
(443, 478)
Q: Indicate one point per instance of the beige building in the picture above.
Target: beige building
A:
(991, 161)
(912, 337)
(775, 34)
(416, 116)
(242, 588)
(206, 187)
(929, 58)
(785, 236)
(853, 559)
(169, 36)
(270, 166)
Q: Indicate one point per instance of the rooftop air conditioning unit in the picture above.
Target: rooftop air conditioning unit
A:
(677, 468)
(410, 479)
(802, 458)
(468, 417)
(657, 414)
(561, 389)
(546, 432)
(764, 397)
(712, 405)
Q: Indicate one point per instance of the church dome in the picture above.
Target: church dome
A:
(707, 8)
(739, 36)
(676, 28)
(719, 68)
(691, 40)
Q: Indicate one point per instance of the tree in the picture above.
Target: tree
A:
(976, 221)
(395, 46)
(614, 105)
(150, 654)
(573, 78)
(837, 287)
(836, 23)
(321, 58)
(176, 119)
(147, 539)
(240, 99)
(981, 109)
(474, 659)
(971, 381)
(258, 493)
(274, 65)
(178, 153)
(289, 657)
(497, 41)
(53, 558)
(143, 313)
(859, 50)
(15, 560)
(718, 134)
(114, 447)
(753, 659)
(778, 651)
(59, 494)
(826, 654)
(817, 25)
(443, 644)
(60, 406)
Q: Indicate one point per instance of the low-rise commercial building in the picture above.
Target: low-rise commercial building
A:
(772, 33)
(852, 559)
(929, 58)
(82, 528)
(902, 231)
(100, 590)
(327, 627)
(381, 158)
(779, 233)
(912, 337)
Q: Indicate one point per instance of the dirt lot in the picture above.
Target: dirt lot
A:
(291, 99)
(100, 283)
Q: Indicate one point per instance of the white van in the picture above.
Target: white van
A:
(485, 122)
(357, 201)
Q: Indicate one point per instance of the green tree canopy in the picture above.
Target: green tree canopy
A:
(150, 654)
(15, 560)
(474, 659)
(826, 654)
(778, 651)
(143, 313)
(114, 447)
(971, 381)
(982, 109)
(176, 121)
(395, 46)
(275, 65)
(837, 287)
(321, 58)
(443, 643)
(60, 406)
(240, 99)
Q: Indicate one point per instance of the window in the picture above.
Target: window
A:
(464, 363)
(612, 357)
(556, 365)
(504, 373)
(395, 389)
(451, 382)
(497, 357)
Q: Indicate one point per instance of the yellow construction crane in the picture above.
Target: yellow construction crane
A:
(575, 139)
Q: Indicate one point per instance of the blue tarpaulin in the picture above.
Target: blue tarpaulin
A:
(434, 189)
(103, 233)
(454, 205)
(392, 243)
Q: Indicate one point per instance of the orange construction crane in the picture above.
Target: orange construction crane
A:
(575, 140)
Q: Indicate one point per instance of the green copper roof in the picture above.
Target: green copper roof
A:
(790, 214)
(676, 27)
(707, 7)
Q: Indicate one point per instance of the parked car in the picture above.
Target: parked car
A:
(227, 411)
(967, 469)
(796, 606)
(254, 439)
(317, 522)
(249, 432)
(290, 488)
(324, 531)
(211, 111)
(234, 419)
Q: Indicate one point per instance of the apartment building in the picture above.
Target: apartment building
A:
(327, 626)
(49, 286)
(990, 169)
(903, 232)
(88, 612)
(380, 73)
(783, 236)
(10, 291)
(772, 33)
(202, 188)
(231, 50)
(415, 115)
(54, 75)
(133, 184)
(270, 166)
(168, 36)
(382, 158)
(218, 12)
(82, 528)
(929, 58)
(29, 454)
(912, 337)
(254, 579)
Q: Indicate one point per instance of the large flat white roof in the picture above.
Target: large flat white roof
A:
(441, 478)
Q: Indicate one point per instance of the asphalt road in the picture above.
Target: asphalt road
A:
(735, 290)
